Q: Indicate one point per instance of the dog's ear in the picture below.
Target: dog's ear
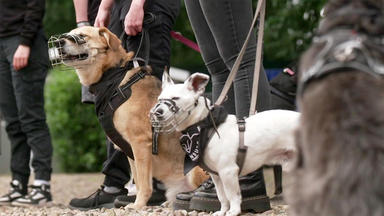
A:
(197, 82)
(112, 41)
(166, 79)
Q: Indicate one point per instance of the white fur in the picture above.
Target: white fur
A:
(269, 136)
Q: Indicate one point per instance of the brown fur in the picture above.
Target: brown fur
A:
(131, 120)
(341, 138)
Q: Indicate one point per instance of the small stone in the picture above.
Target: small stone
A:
(193, 213)
(158, 210)
(180, 213)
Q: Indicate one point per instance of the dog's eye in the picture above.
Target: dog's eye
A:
(82, 35)
(175, 98)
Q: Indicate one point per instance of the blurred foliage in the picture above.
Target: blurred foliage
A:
(59, 16)
(78, 140)
(289, 29)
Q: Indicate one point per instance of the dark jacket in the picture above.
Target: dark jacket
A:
(21, 17)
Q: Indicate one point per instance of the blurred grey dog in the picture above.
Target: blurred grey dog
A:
(340, 168)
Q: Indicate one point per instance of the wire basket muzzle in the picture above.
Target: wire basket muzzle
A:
(56, 49)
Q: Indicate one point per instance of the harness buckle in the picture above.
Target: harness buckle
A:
(241, 124)
(141, 74)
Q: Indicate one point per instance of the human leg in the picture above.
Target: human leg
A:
(20, 151)
(229, 21)
(210, 53)
(28, 85)
(216, 31)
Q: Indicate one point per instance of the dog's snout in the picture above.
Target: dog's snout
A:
(159, 113)
(59, 43)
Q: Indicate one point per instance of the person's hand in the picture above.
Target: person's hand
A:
(102, 18)
(133, 23)
(21, 56)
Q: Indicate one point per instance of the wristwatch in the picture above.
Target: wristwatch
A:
(83, 23)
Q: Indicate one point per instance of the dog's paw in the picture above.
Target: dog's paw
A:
(133, 206)
(219, 213)
(233, 212)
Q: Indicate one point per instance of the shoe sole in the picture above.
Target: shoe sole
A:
(106, 205)
(119, 204)
(257, 204)
(5, 203)
(181, 205)
(45, 204)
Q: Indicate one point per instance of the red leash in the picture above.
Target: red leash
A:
(179, 37)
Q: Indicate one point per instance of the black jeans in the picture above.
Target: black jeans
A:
(116, 167)
(221, 27)
(22, 104)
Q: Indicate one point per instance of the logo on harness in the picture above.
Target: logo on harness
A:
(190, 142)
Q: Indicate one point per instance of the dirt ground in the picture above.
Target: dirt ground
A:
(67, 186)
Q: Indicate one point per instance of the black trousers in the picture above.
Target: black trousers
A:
(116, 167)
(22, 105)
(220, 27)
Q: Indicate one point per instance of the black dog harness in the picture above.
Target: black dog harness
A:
(345, 49)
(196, 137)
(109, 96)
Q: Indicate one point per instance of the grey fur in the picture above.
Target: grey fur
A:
(340, 169)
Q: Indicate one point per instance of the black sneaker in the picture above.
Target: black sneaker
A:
(253, 193)
(39, 196)
(99, 199)
(17, 190)
(157, 197)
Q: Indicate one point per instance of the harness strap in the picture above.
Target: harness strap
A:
(242, 150)
(201, 162)
(120, 95)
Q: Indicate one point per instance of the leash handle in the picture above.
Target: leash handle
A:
(144, 39)
(236, 65)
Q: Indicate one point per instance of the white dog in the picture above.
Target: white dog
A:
(269, 136)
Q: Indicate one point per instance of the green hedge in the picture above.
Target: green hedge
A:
(79, 142)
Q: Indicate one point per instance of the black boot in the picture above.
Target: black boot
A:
(183, 200)
(99, 199)
(253, 192)
(157, 198)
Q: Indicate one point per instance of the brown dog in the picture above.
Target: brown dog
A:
(340, 169)
(92, 52)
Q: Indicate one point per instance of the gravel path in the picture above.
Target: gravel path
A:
(67, 186)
